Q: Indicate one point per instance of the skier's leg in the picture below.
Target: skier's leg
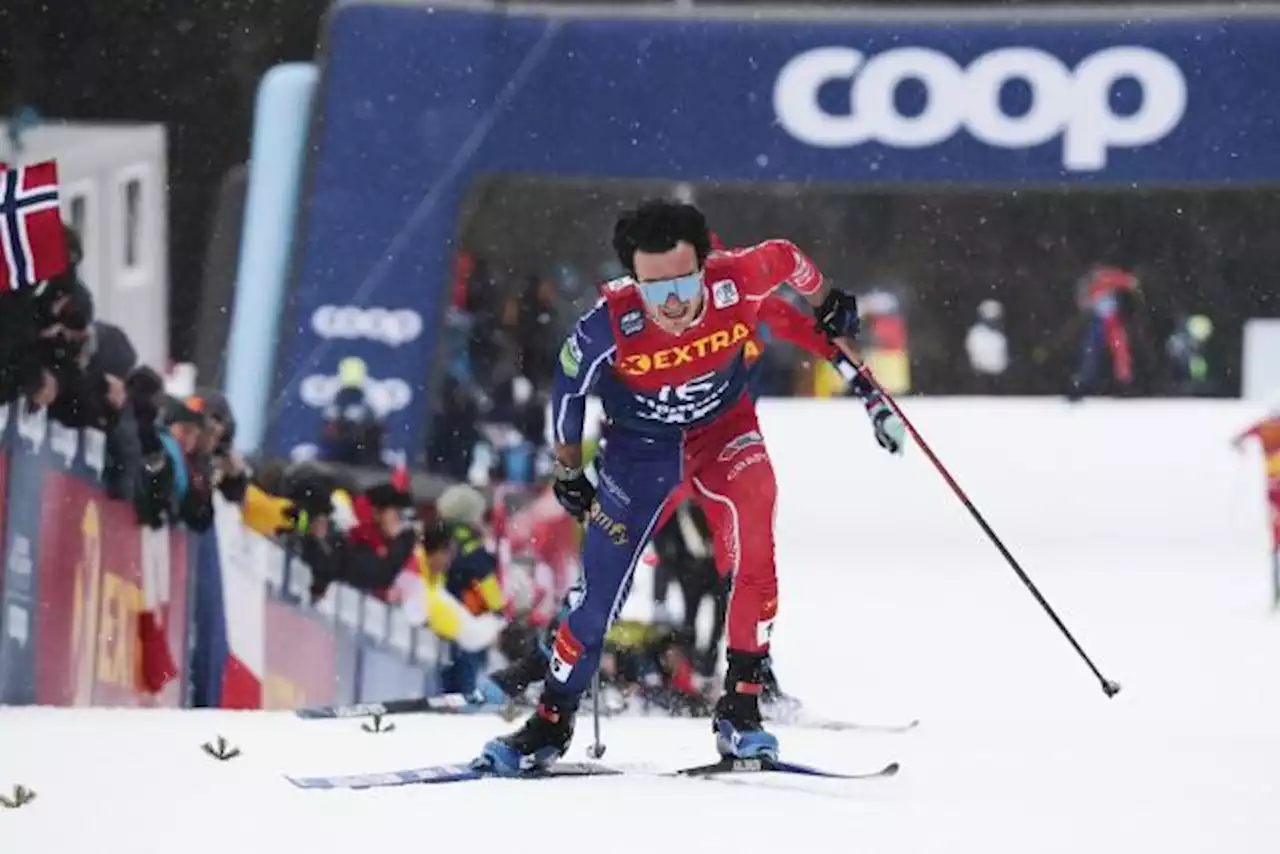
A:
(738, 491)
(620, 523)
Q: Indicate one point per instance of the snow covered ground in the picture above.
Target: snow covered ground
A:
(1018, 750)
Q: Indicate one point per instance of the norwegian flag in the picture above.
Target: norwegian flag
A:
(33, 246)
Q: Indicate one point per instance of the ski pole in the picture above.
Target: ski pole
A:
(1109, 687)
(596, 750)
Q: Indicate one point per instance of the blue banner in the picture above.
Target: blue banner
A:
(18, 592)
(35, 450)
(420, 103)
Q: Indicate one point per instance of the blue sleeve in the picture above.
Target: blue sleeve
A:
(585, 355)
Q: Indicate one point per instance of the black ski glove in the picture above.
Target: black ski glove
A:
(838, 315)
(573, 490)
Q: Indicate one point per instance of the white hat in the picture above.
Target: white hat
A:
(461, 503)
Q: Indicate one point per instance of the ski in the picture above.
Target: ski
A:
(449, 773)
(790, 711)
(730, 765)
(464, 772)
(829, 725)
(444, 704)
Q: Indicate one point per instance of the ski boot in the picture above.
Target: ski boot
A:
(542, 740)
(737, 722)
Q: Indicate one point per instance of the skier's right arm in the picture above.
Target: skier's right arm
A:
(585, 355)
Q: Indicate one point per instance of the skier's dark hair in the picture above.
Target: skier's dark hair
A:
(657, 225)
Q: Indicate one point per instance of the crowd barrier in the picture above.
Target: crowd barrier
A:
(1159, 476)
(79, 572)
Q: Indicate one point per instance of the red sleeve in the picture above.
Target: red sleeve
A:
(795, 326)
(769, 264)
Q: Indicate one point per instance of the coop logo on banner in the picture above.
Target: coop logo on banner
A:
(383, 396)
(392, 327)
(1072, 103)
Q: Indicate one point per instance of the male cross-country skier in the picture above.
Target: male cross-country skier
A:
(663, 350)
(785, 322)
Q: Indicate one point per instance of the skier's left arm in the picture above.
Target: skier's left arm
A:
(790, 324)
(887, 425)
(769, 264)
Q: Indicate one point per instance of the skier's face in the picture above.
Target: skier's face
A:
(671, 284)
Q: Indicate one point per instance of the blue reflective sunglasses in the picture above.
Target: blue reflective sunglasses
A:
(684, 288)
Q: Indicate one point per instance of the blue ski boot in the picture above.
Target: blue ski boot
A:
(736, 723)
(542, 740)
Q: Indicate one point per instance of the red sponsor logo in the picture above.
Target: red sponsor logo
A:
(565, 653)
(91, 598)
(739, 444)
(566, 645)
(745, 463)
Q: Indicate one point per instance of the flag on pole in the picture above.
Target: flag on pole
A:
(157, 667)
(33, 245)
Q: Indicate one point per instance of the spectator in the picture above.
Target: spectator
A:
(167, 491)
(650, 665)
(537, 337)
(380, 544)
(352, 430)
(471, 578)
(22, 372)
(426, 598)
(988, 348)
(1186, 350)
(454, 432)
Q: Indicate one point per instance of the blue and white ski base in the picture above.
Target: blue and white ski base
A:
(764, 764)
(462, 772)
(451, 773)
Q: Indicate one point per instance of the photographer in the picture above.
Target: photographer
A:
(169, 490)
(21, 373)
(86, 358)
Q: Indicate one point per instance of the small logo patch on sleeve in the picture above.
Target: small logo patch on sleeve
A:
(724, 294)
